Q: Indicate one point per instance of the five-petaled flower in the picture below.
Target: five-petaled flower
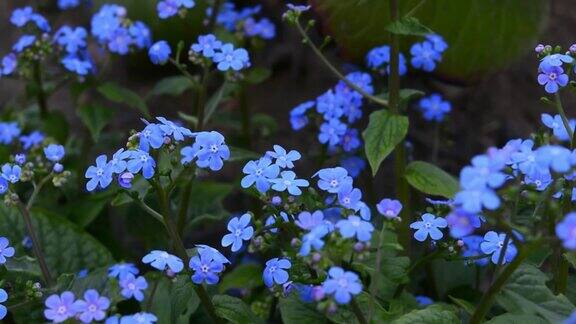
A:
(342, 284)
(429, 226)
(275, 272)
(163, 260)
(239, 231)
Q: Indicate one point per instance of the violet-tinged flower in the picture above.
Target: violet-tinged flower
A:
(552, 78)
(3, 298)
(297, 8)
(99, 175)
(288, 182)
(298, 118)
(342, 284)
(125, 180)
(331, 132)
(60, 307)
(6, 251)
(212, 150)
(120, 41)
(308, 221)
(424, 56)
(141, 160)
(555, 60)
(438, 42)
(206, 267)
(557, 126)
(472, 249)
(120, 270)
(3, 186)
(566, 231)
(230, 58)
(54, 152)
(132, 287)
(313, 239)
(429, 226)
(159, 52)
(151, 136)
(389, 208)
(93, 307)
(11, 172)
(9, 131)
(162, 260)
(169, 128)
(167, 8)
(141, 35)
(72, 39)
(378, 59)
(494, 243)
(206, 45)
(462, 223)
(239, 231)
(27, 141)
(332, 179)
(261, 173)
(355, 226)
(275, 272)
(351, 140)
(284, 159)
(349, 197)
(434, 108)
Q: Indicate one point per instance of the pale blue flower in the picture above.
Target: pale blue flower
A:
(275, 272)
(429, 226)
(239, 231)
(354, 226)
(342, 284)
(162, 260)
(288, 181)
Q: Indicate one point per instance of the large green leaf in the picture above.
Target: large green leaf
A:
(408, 26)
(234, 310)
(119, 94)
(171, 86)
(431, 180)
(95, 117)
(294, 311)
(67, 248)
(385, 130)
(206, 203)
(174, 301)
(527, 293)
(246, 276)
(472, 28)
(433, 314)
(516, 319)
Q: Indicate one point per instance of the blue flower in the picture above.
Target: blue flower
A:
(140, 318)
(213, 151)
(140, 34)
(483, 172)
(389, 208)
(331, 132)
(272, 219)
(162, 260)
(120, 270)
(3, 186)
(60, 307)
(93, 307)
(557, 126)
(313, 239)
(207, 45)
(275, 272)
(261, 173)
(68, 4)
(151, 136)
(264, 28)
(188, 153)
(20, 158)
(206, 267)
(349, 197)
(6, 251)
(434, 108)
(239, 231)
(556, 158)
(494, 243)
(524, 159)
(54, 152)
(171, 129)
(167, 8)
(23, 43)
(539, 179)
(77, 65)
(552, 78)
(215, 253)
(3, 298)
(21, 16)
(378, 59)
(40, 22)
(298, 8)
(429, 226)
(284, 159)
(11, 173)
(288, 181)
(332, 179)
(118, 161)
(355, 226)
(8, 64)
(141, 160)
(438, 42)
(473, 197)
(230, 58)
(120, 41)
(105, 22)
(462, 223)
(298, 118)
(565, 230)
(351, 140)
(330, 104)
(555, 60)
(125, 180)
(160, 52)
(28, 141)
(71, 39)
(308, 221)
(9, 131)
(472, 249)
(424, 56)
(131, 287)
(342, 284)
(99, 175)
(354, 165)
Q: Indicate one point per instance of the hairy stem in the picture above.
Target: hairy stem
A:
(184, 205)
(358, 312)
(41, 97)
(565, 120)
(246, 120)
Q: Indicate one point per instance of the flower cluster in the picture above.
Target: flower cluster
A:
(224, 55)
(242, 20)
(555, 67)
(434, 108)
(170, 8)
(68, 4)
(114, 31)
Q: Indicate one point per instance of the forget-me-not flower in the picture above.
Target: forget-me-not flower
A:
(288, 181)
(552, 78)
(229, 58)
(556, 124)
(261, 173)
(206, 267)
(171, 129)
(389, 208)
(120, 270)
(11, 172)
(93, 307)
(355, 226)
(99, 175)
(3, 298)
(213, 151)
(283, 158)
(163, 260)
(566, 231)
(239, 231)
(313, 239)
(342, 284)
(60, 307)
(332, 179)
(424, 56)
(131, 287)
(494, 243)
(207, 45)
(159, 52)
(54, 152)
(275, 272)
(434, 108)
(6, 251)
(429, 226)
(141, 160)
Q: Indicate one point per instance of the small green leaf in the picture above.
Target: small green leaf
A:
(294, 311)
(24, 264)
(384, 132)
(464, 304)
(408, 26)
(406, 95)
(245, 276)
(119, 94)
(509, 318)
(171, 86)
(95, 118)
(220, 95)
(240, 154)
(83, 210)
(431, 180)
(257, 75)
(433, 314)
(234, 310)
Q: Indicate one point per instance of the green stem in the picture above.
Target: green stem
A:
(41, 97)
(415, 8)
(246, 120)
(358, 312)
(488, 297)
(561, 264)
(318, 52)
(152, 293)
(214, 15)
(201, 105)
(184, 205)
(565, 120)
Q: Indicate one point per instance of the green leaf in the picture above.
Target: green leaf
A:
(408, 26)
(171, 86)
(67, 248)
(384, 132)
(431, 180)
(140, 187)
(246, 276)
(240, 154)
(526, 293)
(234, 310)
(206, 203)
(56, 125)
(95, 118)
(24, 264)
(464, 304)
(294, 311)
(406, 95)
(224, 92)
(119, 94)
(174, 300)
(257, 75)
(433, 314)
(84, 210)
(516, 319)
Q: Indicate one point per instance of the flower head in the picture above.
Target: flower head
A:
(298, 118)
(93, 307)
(27, 141)
(284, 159)
(355, 226)
(472, 249)
(239, 231)
(434, 108)
(11, 173)
(99, 175)
(429, 226)
(462, 223)
(425, 56)
(308, 221)
(288, 182)
(230, 58)
(6, 251)
(151, 136)
(141, 161)
(162, 260)
(389, 208)
(261, 173)
(332, 179)
(3, 298)
(131, 286)
(206, 45)
(120, 270)
(54, 152)
(212, 150)
(171, 129)
(494, 243)
(313, 239)
(71, 39)
(556, 124)
(275, 272)
(566, 231)
(342, 284)
(159, 53)
(206, 266)
(8, 64)
(60, 307)
(552, 78)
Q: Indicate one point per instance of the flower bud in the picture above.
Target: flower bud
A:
(539, 48)
(316, 257)
(358, 247)
(125, 180)
(572, 49)
(318, 293)
(58, 168)
(276, 200)
(20, 158)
